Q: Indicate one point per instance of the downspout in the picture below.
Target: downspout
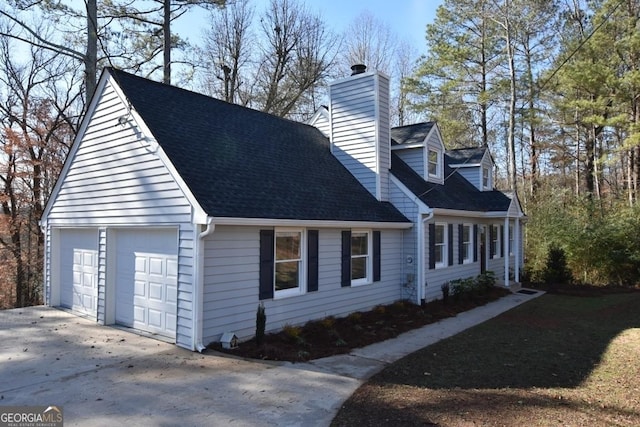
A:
(198, 295)
(421, 264)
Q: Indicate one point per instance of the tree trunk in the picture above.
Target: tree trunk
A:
(166, 31)
(91, 54)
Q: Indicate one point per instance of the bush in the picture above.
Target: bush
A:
(445, 288)
(556, 271)
(486, 281)
(261, 324)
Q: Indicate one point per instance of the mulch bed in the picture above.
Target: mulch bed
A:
(331, 336)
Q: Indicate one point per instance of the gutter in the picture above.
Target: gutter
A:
(198, 295)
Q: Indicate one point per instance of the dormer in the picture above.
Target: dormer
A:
(474, 164)
(420, 146)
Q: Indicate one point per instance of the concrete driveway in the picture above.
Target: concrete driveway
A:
(103, 376)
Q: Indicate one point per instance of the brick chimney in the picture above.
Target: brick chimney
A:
(360, 128)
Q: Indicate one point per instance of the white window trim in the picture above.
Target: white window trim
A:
(368, 279)
(445, 243)
(497, 238)
(512, 240)
(468, 257)
(302, 288)
(486, 186)
(439, 159)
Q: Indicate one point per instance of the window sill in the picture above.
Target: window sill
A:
(360, 282)
(288, 293)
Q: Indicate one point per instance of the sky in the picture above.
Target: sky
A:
(406, 18)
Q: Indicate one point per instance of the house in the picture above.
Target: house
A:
(178, 214)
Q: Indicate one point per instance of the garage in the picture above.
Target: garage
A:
(147, 280)
(79, 270)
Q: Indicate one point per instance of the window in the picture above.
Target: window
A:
(440, 243)
(288, 262)
(467, 244)
(360, 257)
(495, 241)
(485, 177)
(511, 240)
(434, 163)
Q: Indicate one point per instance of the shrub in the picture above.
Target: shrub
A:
(486, 281)
(445, 288)
(261, 324)
(556, 271)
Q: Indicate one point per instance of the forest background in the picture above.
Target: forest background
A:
(552, 87)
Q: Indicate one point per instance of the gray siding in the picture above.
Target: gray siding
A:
(472, 174)
(414, 158)
(409, 271)
(360, 129)
(231, 277)
(117, 178)
(436, 277)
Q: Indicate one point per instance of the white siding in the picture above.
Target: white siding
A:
(117, 178)
(360, 129)
(231, 280)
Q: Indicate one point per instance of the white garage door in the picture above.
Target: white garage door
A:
(147, 280)
(79, 270)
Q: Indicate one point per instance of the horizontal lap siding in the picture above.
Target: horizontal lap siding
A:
(409, 241)
(353, 128)
(232, 277)
(436, 277)
(414, 158)
(471, 174)
(117, 178)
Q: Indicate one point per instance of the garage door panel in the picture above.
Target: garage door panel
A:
(147, 280)
(79, 269)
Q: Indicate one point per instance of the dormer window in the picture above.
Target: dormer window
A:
(485, 177)
(434, 163)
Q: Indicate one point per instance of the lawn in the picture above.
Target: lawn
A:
(558, 360)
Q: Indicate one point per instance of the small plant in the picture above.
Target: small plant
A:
(486, 280)
(328, 322)
(380, 309)
(292, 332)
(445, 288)
(355, 317)
(261, 324)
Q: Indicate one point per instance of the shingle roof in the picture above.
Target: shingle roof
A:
(472, 155)
(243, 163)
(410, 134)
(456, 193)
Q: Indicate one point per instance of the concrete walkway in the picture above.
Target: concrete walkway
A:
(105, 376)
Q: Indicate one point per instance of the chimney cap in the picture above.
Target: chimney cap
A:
(358, 69)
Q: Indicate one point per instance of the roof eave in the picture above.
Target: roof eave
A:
(277, 222)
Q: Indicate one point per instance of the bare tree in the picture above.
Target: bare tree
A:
(227, 52)
(369, 41)
(36, 133)
(296, 55)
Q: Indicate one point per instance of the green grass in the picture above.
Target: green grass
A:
(557, 360)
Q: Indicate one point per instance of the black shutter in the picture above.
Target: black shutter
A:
(266, 264)
(312, 260)
(450, 244)
(432, 246)
(346, 259)
(376, 256)
(475, 242)
(502, 241)
(461, 243)
(492, 246)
